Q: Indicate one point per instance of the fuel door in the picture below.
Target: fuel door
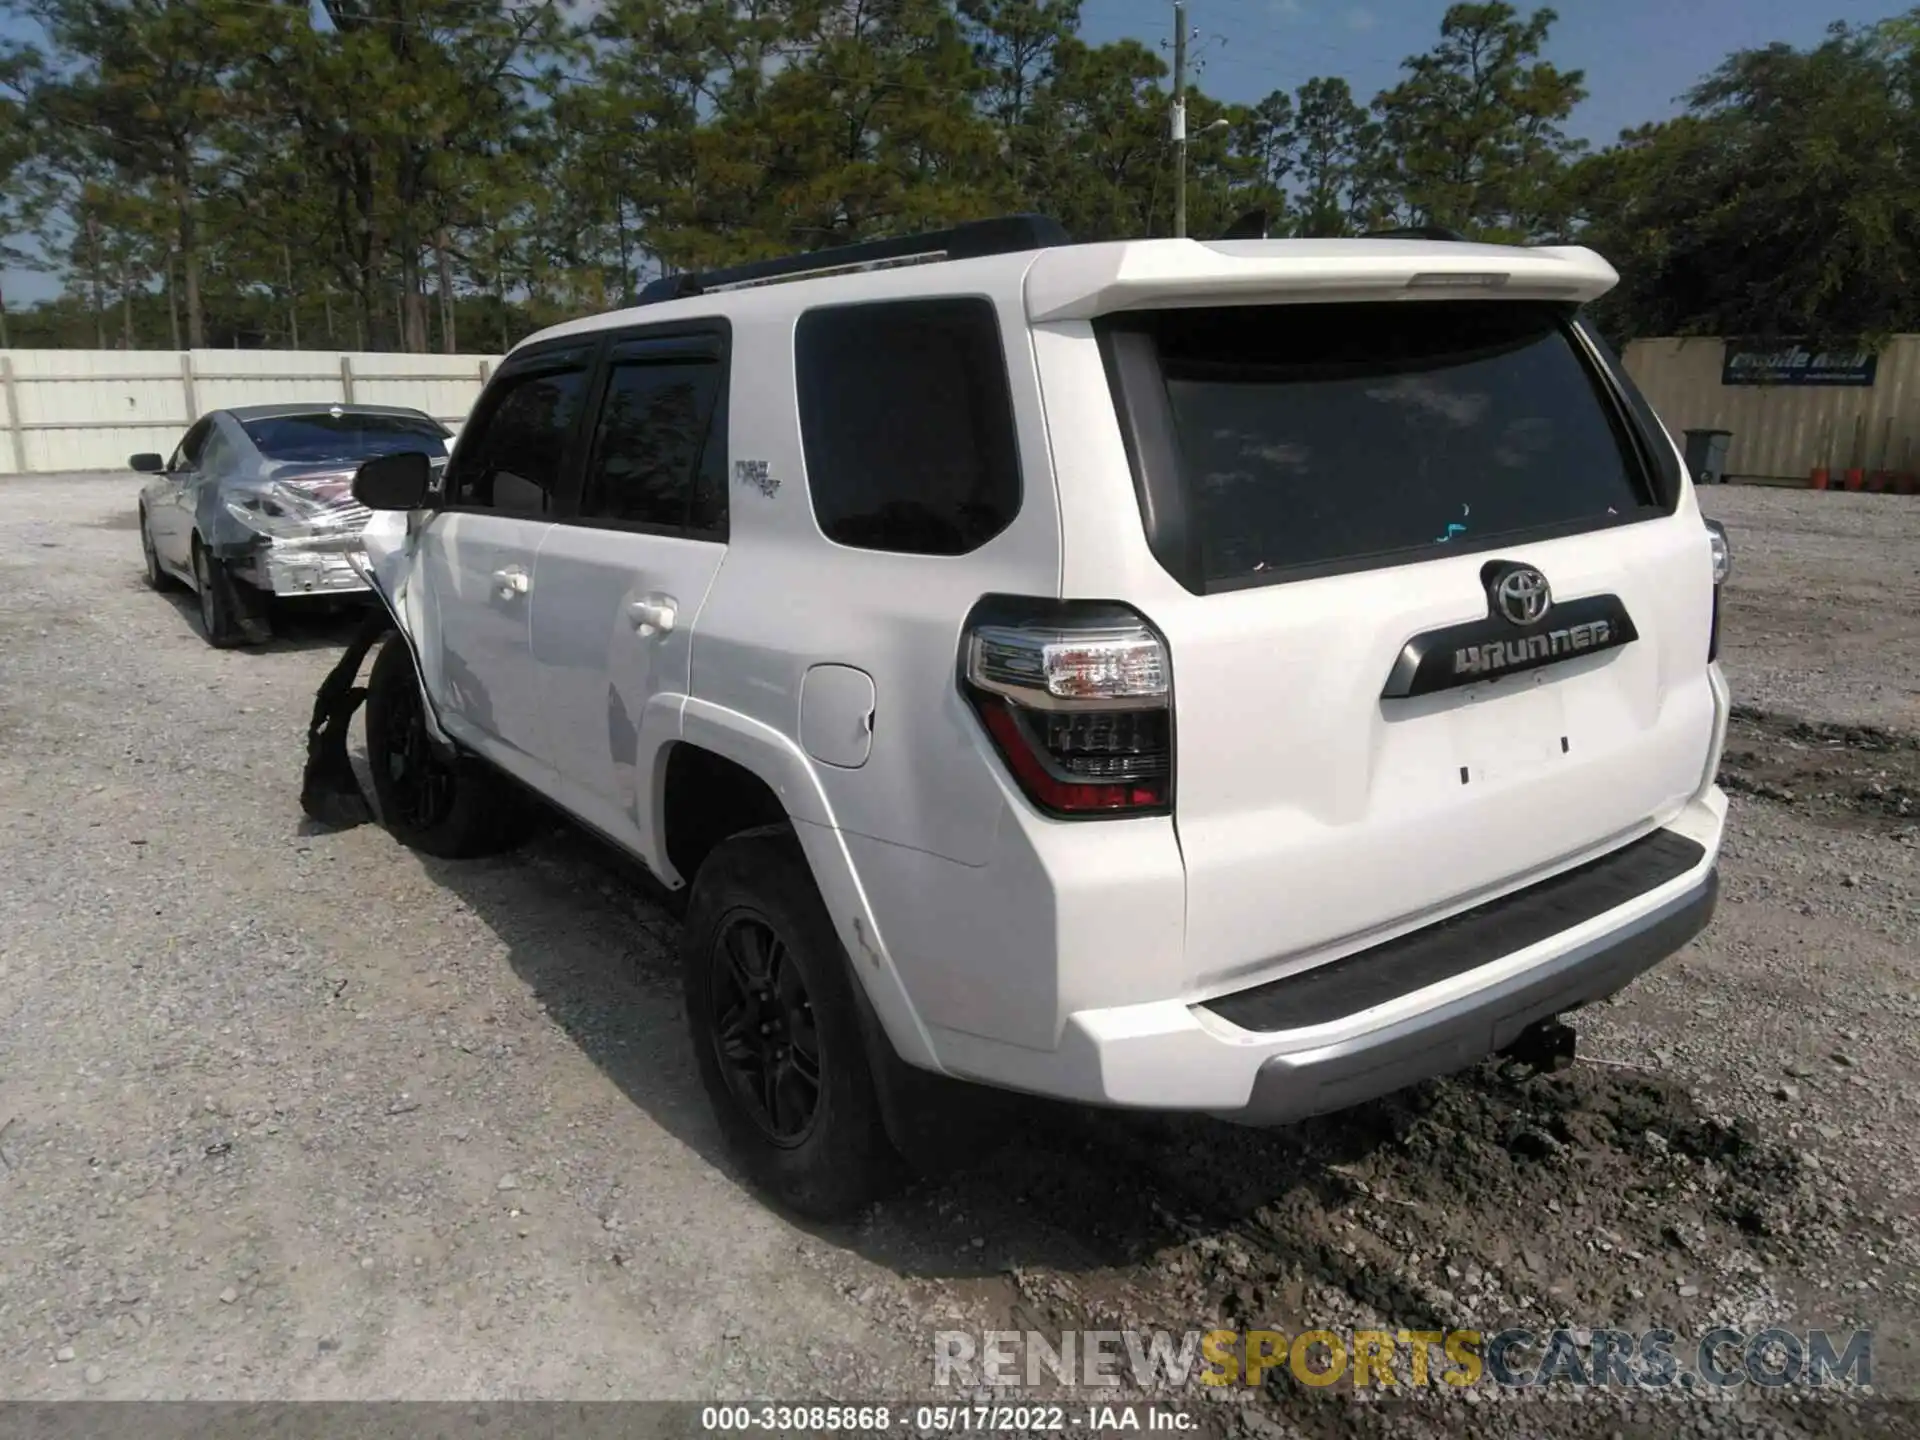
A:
(836, 715)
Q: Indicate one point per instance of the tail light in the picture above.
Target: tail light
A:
(1077, 698)
(1722, 567)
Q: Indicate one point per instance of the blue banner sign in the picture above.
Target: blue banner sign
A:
(1797, 365)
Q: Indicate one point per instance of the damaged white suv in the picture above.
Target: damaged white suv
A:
(1241, 677)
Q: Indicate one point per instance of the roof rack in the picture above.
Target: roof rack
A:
(1415, 232)
(1004, 235)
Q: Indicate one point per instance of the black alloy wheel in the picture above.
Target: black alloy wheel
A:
(763, 1029)
(419, 784)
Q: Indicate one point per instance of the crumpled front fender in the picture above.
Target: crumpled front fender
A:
(330, 792)
(389, 551)
(391, 557)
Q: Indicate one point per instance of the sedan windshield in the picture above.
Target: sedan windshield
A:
(325, 435)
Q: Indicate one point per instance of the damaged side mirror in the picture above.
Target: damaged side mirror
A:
(147, 463)
(394, 482)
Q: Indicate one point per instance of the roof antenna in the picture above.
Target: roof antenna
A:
(1250, 226)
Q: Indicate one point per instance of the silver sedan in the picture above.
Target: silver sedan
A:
(257, 502)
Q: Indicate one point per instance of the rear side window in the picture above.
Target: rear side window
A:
(908, 425)
(511, 456)
(186, 455)
(1316, 437)
(656, 459)
(218, 453)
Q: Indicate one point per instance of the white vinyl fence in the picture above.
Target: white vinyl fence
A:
(91, 409)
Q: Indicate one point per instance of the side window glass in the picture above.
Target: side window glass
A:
(650, 442)
(511, 461)
(214, 454)
(907, 422)
(187, 455)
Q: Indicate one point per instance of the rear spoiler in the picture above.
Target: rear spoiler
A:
(1082, 281)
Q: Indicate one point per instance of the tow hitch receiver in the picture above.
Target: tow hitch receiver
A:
(1545, 1047)
(329, 790)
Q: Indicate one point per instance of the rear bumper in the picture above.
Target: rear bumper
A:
(1415, 1015)
(1454, 1036)
(289, 568)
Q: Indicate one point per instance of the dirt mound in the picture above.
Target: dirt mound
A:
(1497, 1197)
(1855, 777)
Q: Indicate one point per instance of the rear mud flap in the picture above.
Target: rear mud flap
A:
(330, 791)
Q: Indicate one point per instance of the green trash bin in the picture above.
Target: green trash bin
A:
(1707, 456)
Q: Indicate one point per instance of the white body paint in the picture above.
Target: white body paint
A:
(998, 944)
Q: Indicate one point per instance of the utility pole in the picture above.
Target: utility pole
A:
(293, 304)
(1179, 119)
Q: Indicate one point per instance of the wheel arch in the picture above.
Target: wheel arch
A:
(703, 798)
(781, 769)
(399, 620)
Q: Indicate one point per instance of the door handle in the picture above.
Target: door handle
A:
(510, 582)
(651, 613)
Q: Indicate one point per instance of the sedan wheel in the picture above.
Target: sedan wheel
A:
(231, 612)
(156, 577)
(209, 604)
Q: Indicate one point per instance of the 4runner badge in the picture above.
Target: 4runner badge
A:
(754, 473)
(1522, 630)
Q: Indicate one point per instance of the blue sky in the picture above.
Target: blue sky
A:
(1638, 55)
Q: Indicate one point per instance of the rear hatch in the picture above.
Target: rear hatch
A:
(1382, 715)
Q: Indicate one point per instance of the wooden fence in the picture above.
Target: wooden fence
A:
(69, 410)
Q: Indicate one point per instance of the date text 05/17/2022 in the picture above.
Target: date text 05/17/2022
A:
(930, 1420)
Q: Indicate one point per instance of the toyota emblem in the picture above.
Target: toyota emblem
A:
(1521, 595)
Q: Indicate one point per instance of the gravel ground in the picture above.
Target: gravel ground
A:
(293, 1114)
(1826, 603)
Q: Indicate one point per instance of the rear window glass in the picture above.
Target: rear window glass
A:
(325, 436)
(1317, 435)
(907, 421)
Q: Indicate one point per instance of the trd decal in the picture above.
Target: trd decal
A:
(754, 473)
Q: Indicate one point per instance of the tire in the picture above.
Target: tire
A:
(758, 950)
(157, 577)
(231, 611)
(456, 809)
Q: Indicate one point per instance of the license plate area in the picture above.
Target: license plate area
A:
(1508, 731)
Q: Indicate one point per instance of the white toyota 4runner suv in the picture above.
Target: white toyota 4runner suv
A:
(1241, 677)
